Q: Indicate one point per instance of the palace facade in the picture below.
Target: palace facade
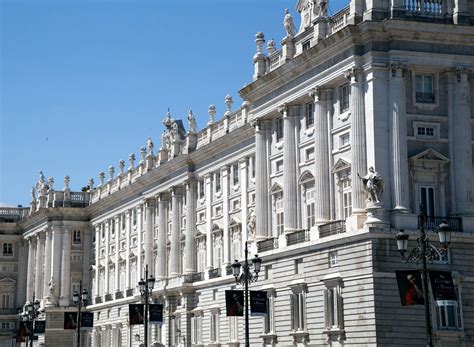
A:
(379, 89)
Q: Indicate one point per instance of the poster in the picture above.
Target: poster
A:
(234, 302)
(40, 327)
(87, 320)
(70, 320)
(156, 313)
(135, 314)
(258, 303)
(410, 287)
(442, 287)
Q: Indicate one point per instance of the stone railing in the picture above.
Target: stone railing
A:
(332, 228)
(424, 7)
(129, 292)
(267, 245)
(339, 20)
(297, 237)
(215, 273)
(13, 212)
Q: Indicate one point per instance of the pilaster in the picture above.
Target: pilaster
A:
(140, 266)
(117, 253)
(30, 280)
(47, 263)
(127, 250)
(40, 239)
(97, 261)
(107, 257)
(225, 211)
(149, 234)
(261, 180)
(65, 298)
(190, 242)
(209, 248)
(163, 203)
(176, 196)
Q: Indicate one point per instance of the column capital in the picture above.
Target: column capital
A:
(462, 73)
(243, 162)
(176, 190)
(127, 213)
(224, 170)
(190, 182)
(40, 236)
(149, 202)
(139, 208)
(354, 74)
(398, 69)
(319, 93)
(116, 218)
(283, 109)
(163, 196)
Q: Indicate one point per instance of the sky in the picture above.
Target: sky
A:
(84, 83)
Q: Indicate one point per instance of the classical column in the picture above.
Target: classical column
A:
(321, 155)
(22, 272)
(56, 249)
(117, 253)
(209, 248)
(398, 139)
(244, 184)
(47, 263)
(225, 211)
(290, 167)
(149, 234)
(176, 194)
(97, 261)
(86, 259)
(30, 280)
(462, 142)
(107, 255)
(39, 265)
(163, 201)
(261, 179)
(66, 297)
(127, 250)
(358, 140)
(140, 266)
(190, 246)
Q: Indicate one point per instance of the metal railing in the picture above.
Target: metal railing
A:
(296, 237)
(267, 245)
(332, 228)
(455, 223)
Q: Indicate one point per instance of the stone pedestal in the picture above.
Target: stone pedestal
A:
(375, 215)
(162, 156)
(288, 48)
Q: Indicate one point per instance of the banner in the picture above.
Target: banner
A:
(70, 320)
(258, 303)
(135, 314)
(156, 313)
(234, 303)
(87, 321)
(40, 327)
(442, 287)
(24, 331)
(410, 287)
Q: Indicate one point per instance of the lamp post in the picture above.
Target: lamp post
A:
(244, 279)
(79, 299)
(424, 251)
(146, 287)
(31, 311)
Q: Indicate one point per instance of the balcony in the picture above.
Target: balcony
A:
(214, 273)
(297, 237)
(332, 228)
(98, 300)
(118, 295)
(425, 98)
(267, 245)
(455, 223)
(108, 297)
(196, 277)
(129, 292)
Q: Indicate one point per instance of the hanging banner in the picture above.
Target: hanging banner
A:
(70, 320)
(234, 303)
(87, 321)
(40, 327)
(24, 331)
(258, 303)
(156, 313)
(442, 287)
(410, 287)
(135, 314)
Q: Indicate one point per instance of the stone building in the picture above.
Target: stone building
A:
(378, 89)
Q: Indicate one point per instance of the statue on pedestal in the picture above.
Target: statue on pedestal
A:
(373, 184)
(51, 285)
(251, 224)
(192, 122)
(288, 24)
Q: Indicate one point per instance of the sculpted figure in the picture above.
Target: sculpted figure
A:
(192, 122)
(289, 24)
(149, 144)
(251, 224)
(373, 184)
(51, 285)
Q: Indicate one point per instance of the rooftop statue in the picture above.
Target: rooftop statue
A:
(310, 10)
(192, 122)
(288, 24)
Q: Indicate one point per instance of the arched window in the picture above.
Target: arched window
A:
(306, 182)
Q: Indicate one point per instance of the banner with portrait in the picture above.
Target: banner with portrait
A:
(135, 314)
(234, 303)
(442, 287)
(70, 320)
(410, 287)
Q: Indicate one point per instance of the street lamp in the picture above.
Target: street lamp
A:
(244, 279)
(424, 251)
(79, 299)
(146, 287)
(31, 311)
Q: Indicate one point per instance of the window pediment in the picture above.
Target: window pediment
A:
(430, 155)
(340, 165)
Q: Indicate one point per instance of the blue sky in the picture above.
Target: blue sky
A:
(85, 83)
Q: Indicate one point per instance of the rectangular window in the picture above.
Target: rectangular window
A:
(268, 272)
(279, 166)
(5, 325)
(214, 327)
(299, 266)
(217, 181)
(344, 93)
(280, 222)
(235, 174)
(5, 301)
(332, 258)
(76, 239)
(309, 154)
(298, 310)
(309, 114)
(270, 317)
(347, 203)
(201, 189)
(425, 131)
(310, 215)
(333, 314)
(8, 249)
(344, 140)
(234, 329)
(279, 128)
(424, 91)
(196, 329)
(202, 216)
(427, 199)
(449, 314)
(306, 45)
(218, 210)
(252, 160)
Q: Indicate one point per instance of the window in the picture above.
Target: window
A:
(309, 154)
(76, 238)
(427, 198)
(424, 91)
(333, 313)
(279, 166)
(196, 329)
(218, 210)
(235, 204)
(6, 300)
(201, 189)
(201, 255)
(309, 114)
(279, 128)
(235, 174)
(134, 213)
(269, 326)
(217, 182)
(236, 251)
(346, 198)
(310, 207)
(299, 266)
(449, 313)
(214, 327)
(5, 325)
(332, 257)
(268, 272)
(344, 140)
(218, 250)
(8, 249)
(234, 329)
(279, 214)
(344, 93)
(252, 162)
(306, 45)
(425, 131)
(298, 308)
(202, 216)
